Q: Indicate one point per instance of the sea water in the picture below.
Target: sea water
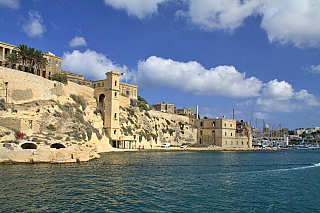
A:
(168, 181)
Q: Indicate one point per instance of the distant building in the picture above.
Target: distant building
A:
(78, 79)
(164, 107)
(53, 66)
(226, 133)
(185, 111)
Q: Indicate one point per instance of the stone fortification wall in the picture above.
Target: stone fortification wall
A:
(24, 87)
(169, 116)
(25, 125)
(124, 101)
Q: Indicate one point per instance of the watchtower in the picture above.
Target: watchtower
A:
(111, 109)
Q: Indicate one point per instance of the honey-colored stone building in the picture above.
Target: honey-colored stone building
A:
(227, 133)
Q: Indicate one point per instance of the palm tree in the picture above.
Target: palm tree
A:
(22, 50)
(30, 58)
(12, 59)
(40, 60)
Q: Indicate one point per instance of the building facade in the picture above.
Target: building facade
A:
(164, 107)
(226, 133)
(185, 111)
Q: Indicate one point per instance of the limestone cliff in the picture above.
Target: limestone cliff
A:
(153, 128)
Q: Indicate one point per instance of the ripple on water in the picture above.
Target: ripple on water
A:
(167, 182)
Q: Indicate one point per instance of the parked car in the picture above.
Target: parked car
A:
(183, 146)
(165, 145)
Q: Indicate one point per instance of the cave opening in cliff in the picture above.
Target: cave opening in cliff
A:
(29, 146)
(57, 146)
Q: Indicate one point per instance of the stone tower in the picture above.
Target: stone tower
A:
(111, 122)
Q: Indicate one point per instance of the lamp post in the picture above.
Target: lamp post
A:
(6, 83)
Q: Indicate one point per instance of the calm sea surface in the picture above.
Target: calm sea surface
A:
(168, 181)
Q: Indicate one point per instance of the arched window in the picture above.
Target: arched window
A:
(115, 115)
(101, 100)
(213, 123)
(115, 131)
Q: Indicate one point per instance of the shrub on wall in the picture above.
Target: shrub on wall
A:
(51, 127)
(63, 78)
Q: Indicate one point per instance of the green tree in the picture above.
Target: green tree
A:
(40, 61)
(22, 50)
(12, 60)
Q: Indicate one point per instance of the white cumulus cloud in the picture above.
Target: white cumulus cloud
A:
(77, 41)
(34, 26)
(192, 77)
(295, 21)
(139, 8)
(280, 97)
(13, 4)
(285, 21)
(219, 14)
(90, 64)
(277, 90)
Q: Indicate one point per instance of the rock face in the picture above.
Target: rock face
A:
(153, 128)
(61, 123)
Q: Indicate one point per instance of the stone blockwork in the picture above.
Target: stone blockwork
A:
(25, 87)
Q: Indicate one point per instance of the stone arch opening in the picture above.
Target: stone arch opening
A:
(29, 146)
(57, 146)
(101, 100)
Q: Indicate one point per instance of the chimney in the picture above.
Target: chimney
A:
(197, 112)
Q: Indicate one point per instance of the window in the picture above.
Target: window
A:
(231, 143)
(115, 94)
(213, 123)
(242, 143)
(213, 133)
(115, 132)
(201, 123)
(225, 125)
(226, 143)
(115, 83)
(99, 85)
(230, 125)
(115, 115)
(200, 141)
(200, 132)
(231, 133)
(94, 85)
(102, 84)
(225, 134)
(237, 142)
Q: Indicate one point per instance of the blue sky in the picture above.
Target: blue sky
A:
(259, 56)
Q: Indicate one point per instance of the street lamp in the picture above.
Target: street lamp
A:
(6, 83)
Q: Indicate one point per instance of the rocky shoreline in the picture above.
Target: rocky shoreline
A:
(76, 153)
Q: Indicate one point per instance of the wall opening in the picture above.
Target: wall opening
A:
(57, 146)
(101, 100)
(29, 146)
